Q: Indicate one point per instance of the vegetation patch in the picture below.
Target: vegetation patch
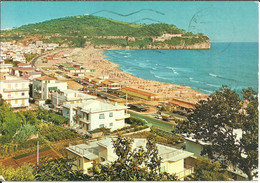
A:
(30, 153)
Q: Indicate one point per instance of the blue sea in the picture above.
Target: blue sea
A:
(231, 64)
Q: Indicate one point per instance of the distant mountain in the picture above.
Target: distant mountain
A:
(76, 31)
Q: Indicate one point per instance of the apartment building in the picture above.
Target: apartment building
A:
(14, 91)
(174, 161)
(5, 68)
(93, 114)
(59, 97)
(44, 86)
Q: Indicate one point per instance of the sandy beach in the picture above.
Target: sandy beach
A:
(93, 58)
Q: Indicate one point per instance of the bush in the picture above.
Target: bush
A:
(60, 135)
(136, 121)
(57, 119)
(24, 133)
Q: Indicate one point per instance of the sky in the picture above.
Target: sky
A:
(221, 21)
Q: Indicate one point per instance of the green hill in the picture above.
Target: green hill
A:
(75, 31)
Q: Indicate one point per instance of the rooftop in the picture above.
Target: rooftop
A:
(91, 106)
(139, 91)
(90, 151)
(45, 78)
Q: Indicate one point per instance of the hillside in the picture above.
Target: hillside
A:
(76, 31)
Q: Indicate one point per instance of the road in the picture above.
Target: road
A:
(154, 122)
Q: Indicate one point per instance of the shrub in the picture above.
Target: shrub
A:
(24, 133)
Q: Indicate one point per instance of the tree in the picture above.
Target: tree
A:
(132, 165)
(62, 169)
(216, 121)
(23, 173)
(247, 157)
(10, 122)
(206, 170)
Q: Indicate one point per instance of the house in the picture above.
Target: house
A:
(59, 97)
(44, 86)
(5, 68)
(197, 146)
(93, 114)
(107, 84)
(24, 65)
(140, 93)
(14, 91)
(174, 161)
(182, 104)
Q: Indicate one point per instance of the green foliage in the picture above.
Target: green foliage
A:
(207, 170)
(30, 117)
(216, 119)
(136, 121)
(29, 57)
(10, 122)
(136, 165)
(32, 152)
(57, 119)
(60, 135)
(24, 133)
(59, 170)
(23, 173)
(75, 31)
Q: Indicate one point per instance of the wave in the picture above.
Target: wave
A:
(224, 78)
(207, 91)
(194, 81)
(160, 77)
(216, 86)
(213, 75)
(173, 70)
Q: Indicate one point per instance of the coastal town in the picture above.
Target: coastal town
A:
(129, 91)
(98, 101)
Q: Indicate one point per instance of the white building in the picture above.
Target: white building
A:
(59, 97)
(5, 68)
(44, 86)
(93, 114)
(14, 91)
(174, 161)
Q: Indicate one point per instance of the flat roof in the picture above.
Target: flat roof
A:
(45, 78)
(139, 91)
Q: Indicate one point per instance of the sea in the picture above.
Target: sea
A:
(231, 64)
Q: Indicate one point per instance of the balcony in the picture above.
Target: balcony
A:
(186, 172)
(84, 120)
(127, 116)
(16, 97)
(15, 89)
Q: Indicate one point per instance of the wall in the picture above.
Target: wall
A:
(193, 147)
(96, 122)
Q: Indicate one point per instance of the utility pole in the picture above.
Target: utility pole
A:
(37, 153)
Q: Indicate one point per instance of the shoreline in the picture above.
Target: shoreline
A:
(94, 58)
(176, 85)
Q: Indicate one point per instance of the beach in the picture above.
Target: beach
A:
(93, 58)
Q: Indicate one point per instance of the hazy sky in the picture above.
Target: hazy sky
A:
(220, 21)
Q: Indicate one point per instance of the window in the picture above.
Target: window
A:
(110, 124)
(9, 95)
(79, 162)
(101, 126)
(162, 169)
(102, 159)
(110, 114)
(101, 116)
